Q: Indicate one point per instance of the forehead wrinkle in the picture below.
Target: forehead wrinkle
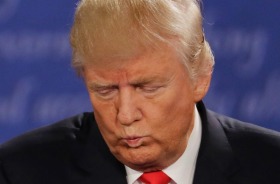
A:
(107, 78)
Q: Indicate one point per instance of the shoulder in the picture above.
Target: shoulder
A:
(256, 149)
(60, 133)
(247, 133)
(46, 151)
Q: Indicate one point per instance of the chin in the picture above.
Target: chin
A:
(142, 160)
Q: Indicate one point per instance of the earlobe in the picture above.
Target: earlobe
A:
(201, 87)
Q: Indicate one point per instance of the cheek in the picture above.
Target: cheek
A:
(105, 116)
(172, 113)
(103, 111)
(176, 103)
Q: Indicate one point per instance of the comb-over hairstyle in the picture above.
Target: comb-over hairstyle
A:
(124, 28)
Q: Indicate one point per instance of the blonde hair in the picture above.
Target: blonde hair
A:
(119, 28)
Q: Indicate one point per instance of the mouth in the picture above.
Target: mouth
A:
(133, 142)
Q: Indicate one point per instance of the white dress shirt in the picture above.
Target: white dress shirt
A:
(181, 171)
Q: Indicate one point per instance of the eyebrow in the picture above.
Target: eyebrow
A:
(137, 82)
(96, 86)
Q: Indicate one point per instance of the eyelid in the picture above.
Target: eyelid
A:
(105, 92)
(149, 88)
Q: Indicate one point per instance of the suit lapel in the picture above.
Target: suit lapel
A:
(215, 162)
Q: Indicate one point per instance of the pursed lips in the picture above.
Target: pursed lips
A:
(133, 141)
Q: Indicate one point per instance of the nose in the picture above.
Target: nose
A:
(127, 109)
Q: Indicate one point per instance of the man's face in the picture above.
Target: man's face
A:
(144, 107)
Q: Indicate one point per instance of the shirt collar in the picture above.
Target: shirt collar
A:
(181, 171)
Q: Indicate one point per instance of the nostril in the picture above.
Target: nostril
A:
(129, 117)
(125, 118)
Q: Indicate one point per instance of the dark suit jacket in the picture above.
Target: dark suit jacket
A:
(73, 152)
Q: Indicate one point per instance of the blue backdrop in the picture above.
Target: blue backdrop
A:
(38, 85)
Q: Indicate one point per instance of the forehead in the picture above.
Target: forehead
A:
(152, 62)
(142, 55)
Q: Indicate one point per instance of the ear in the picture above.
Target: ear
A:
(201, 86)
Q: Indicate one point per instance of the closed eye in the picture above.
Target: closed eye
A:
(149, 89)
(104, 92)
